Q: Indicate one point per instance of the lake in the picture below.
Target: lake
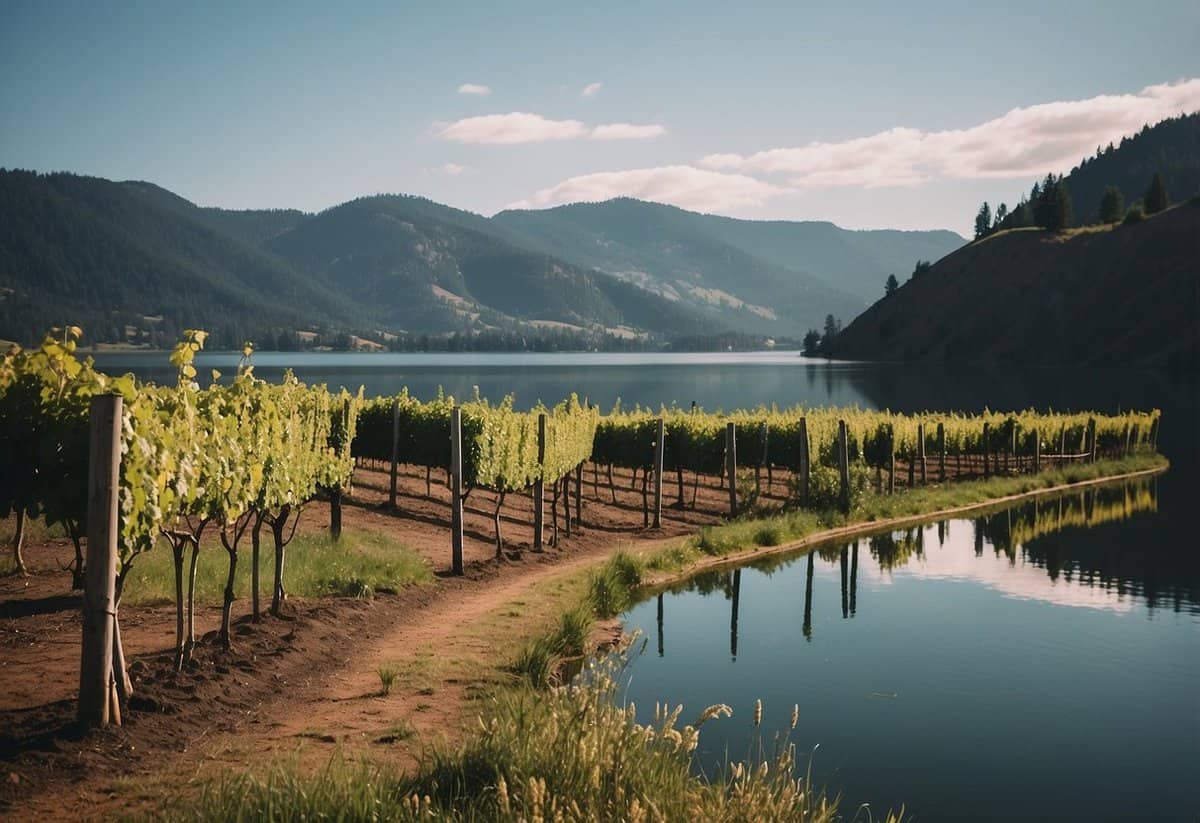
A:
(1031, 664)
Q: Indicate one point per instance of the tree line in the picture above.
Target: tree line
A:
(1048, 206)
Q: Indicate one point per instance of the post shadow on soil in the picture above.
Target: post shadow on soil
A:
(52, 604)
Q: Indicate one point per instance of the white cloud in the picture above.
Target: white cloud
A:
(451, 169)
(591, 90)
(514, 127)
(626, 131)
(1024, 142)
(474, 88)
(524, 127)
(683, 186)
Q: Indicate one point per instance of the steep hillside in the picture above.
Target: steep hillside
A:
(132, 258)
(1170, 148)
(429, 266)
(1125, 294)
(107, 255)
(674, 253)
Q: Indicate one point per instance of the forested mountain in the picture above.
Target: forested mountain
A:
(1170, 149)
(1147, 172)
(135, 261)
(767, 275)
(108, 255)
(425, 265)
(1112, 294)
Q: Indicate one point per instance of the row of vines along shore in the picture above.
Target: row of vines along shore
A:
(243, 456)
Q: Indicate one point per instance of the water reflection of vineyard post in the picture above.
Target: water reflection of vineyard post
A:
(1008, 532)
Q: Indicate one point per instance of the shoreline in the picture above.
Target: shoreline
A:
(663, 580)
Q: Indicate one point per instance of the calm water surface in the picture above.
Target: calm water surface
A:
(1034, 664)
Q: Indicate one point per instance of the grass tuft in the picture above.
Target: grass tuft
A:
(387, 677)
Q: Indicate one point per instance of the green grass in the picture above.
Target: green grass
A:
(574, 751)
(387, 677)
(544, 747)
(786, 527)
(358, 565)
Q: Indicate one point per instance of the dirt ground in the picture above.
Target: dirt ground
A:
(307, 684)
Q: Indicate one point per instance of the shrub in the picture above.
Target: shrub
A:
(1134, 215)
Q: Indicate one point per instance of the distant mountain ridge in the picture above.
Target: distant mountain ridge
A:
(121, 256)
(798, 270)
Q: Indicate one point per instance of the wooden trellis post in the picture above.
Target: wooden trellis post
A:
(803, 462)
(395, 451)
(921, 452)
(731, 466)
(579, 494)
(843, 464)
(941, 447)
(539, 488)
(98, 704)
(659, 438)
(986, 441)
(891, 458)
(456, 497)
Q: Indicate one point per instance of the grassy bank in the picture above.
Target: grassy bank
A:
(315, 565)
(570, 753)
(543, 748)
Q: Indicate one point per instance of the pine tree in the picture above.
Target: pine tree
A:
(983, 221)
(1156, 198)
(889, 288)
(1001, 216)
(812, 343)
(1058, 207)
(1112, 205)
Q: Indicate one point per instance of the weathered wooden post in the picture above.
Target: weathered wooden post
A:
(941, 447)
(539, 487)
(579, 495)
(731, 466)
(659, 438)
(335, 492)
(921, 453)
(986, 441)
(843, 464)
(456, 497)
(395, 451)
(803, 462)
(891, 459)
(97, 686)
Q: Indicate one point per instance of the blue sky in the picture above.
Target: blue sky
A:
(708, 105)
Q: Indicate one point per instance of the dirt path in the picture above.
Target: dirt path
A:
(303, 687)
(307, 687)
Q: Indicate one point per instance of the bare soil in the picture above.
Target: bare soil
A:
(306, 684)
